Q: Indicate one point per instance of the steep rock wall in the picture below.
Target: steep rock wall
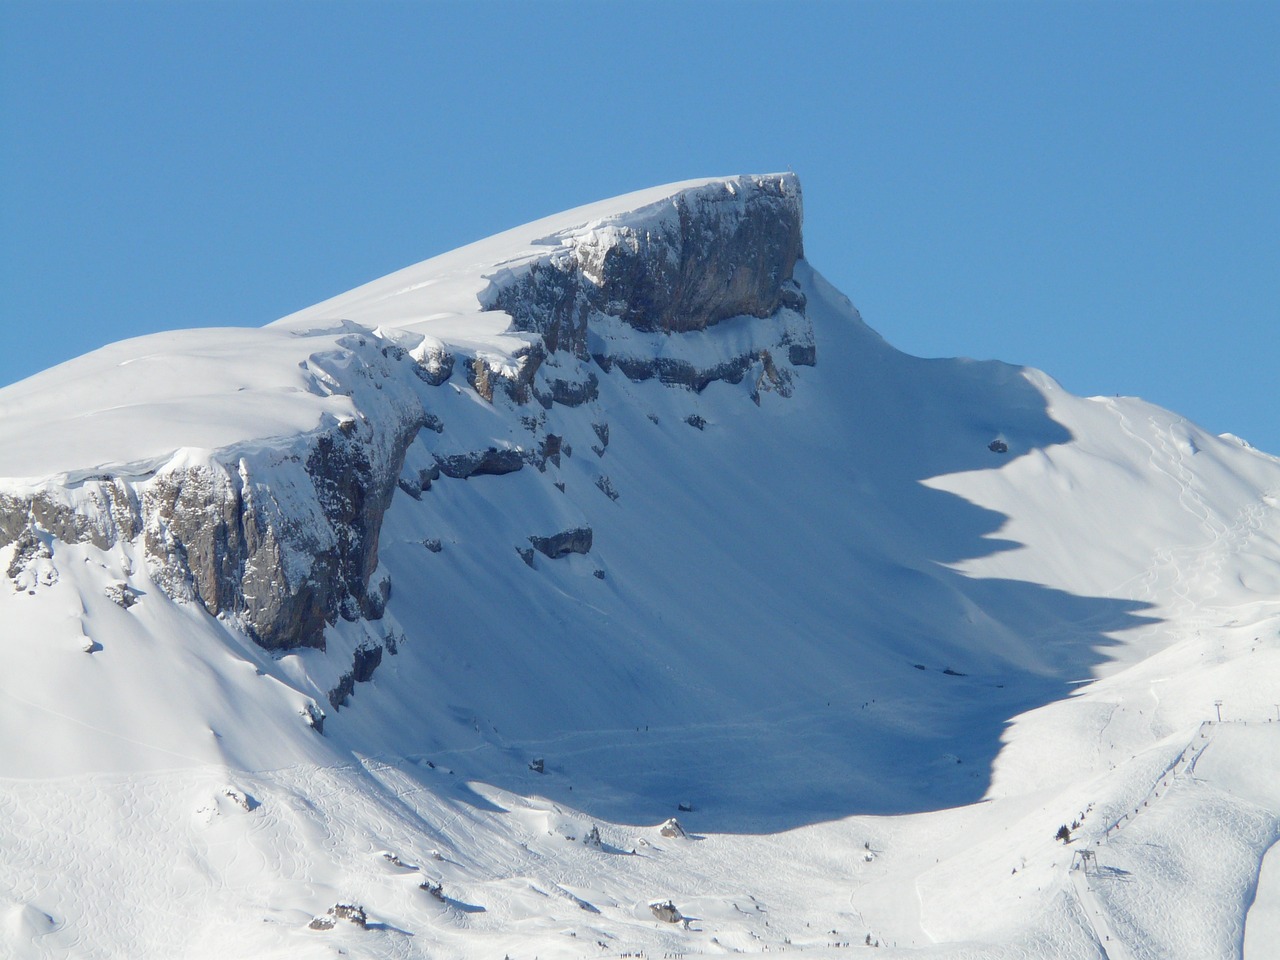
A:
(722, 251)
(281, 537)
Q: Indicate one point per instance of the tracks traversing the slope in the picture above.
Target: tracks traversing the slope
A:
(1202, 563)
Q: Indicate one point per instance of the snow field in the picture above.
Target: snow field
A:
(881, 662)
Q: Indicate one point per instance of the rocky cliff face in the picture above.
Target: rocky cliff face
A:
(724, 251)
(721, 252)
(281, 538)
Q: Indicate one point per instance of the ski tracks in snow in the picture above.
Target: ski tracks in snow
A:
(1188, 578)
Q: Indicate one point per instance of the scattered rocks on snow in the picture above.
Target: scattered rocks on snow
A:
(696, 421)
(672, 828)
(998, 446)
(351, 912)
(434, 887)
(538, 765)
(433, 544)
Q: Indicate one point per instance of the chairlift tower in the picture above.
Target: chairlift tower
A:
(1218, 706)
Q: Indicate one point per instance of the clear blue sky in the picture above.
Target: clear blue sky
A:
(1092, 189)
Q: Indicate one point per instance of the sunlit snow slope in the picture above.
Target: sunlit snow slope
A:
(439, 598)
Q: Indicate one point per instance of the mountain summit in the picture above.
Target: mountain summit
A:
(406, 625)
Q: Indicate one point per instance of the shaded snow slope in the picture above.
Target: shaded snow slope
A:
(295, 611)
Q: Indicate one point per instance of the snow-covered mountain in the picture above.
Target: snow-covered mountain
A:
(404, 625)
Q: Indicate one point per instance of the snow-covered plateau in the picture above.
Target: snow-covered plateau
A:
(607, 588)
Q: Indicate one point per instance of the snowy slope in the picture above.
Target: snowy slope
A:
(681, 564)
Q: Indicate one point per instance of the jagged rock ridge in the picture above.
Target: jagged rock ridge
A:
(282, 539)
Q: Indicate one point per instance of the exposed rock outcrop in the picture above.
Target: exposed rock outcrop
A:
(282, 540)
(280, 537)
(725, 250)
(350, 912)
(717, 252)
(364, 662)
(666, 911)
(100, 510)
(284, 570)
(577, 540)
(671, 828)
(492, 461)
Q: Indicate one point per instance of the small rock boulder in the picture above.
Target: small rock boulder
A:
(351, 912)
(672, 828)
(122, 595)
(574, 540)
(666, 911)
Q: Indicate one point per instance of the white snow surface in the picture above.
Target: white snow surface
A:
(881, 663)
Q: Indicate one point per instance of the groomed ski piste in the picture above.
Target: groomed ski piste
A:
(845, 643)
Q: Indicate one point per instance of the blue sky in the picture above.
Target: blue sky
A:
(1091, 189)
